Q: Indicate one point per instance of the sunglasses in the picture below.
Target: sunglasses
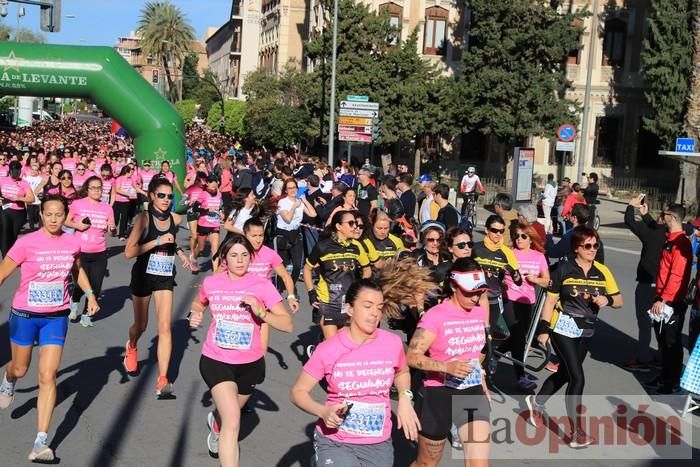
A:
(463, 245)
(360, 226)
(350, 223)
(521, 236)
(95, 188)
(66, 178)
(590, 246)
(164, 195)
(475, 293)
(433, 240)
(497, 231)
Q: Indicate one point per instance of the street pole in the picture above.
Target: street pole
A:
(587, 96)
(331, 121)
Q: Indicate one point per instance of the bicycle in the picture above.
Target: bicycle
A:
(471, 207)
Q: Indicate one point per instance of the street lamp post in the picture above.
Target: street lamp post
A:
(331, 121)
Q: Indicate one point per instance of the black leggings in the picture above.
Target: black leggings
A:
(121, 216)
(33, 216)
(12, 222)
(95, 265)
(572, 352)
(518, 317)
(291, 250)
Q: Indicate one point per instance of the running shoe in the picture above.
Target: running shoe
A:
(7, 393)
(164, 387)
(553, 367)
(525, 384)
(580, 440)
(86, 321)
(537, 415)
(456, 440)
(310, 350)
(73, 310)
(41, 452)
(637, 366)
(213, 437)
(131, 359)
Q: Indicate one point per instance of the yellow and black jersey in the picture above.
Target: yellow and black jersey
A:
(340, 264)
(576, 291)
(494, 262)
(382, 249)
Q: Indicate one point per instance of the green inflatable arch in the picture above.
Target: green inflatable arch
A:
(101, 74)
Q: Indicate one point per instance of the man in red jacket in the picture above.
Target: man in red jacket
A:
(671, 288)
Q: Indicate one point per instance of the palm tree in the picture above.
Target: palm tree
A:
(166, 35)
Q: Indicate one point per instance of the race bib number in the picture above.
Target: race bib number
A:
(233, 335)
(364, 419)
(471, 380)
(212, 217)
(160, 265)
(566, 326)
(45, 294)
(104, 198)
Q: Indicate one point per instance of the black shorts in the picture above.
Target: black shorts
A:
(438, 409)
(331, 315)
(204, 231)
(143, 285)
(245, 375)
(142, 198)
(192, 216)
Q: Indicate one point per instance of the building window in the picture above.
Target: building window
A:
(614, 43)
(608, 132)
(395, 13)
(435, 37)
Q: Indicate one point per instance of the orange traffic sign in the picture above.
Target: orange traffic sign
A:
(354, 121)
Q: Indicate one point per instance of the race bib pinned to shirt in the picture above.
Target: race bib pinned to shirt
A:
(469, 381)
(566, 326)
(364, 419)
(45, 294)
(233, 335)
(160, 265)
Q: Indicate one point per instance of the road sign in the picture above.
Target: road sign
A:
(355, 137)
(355, 129)
(359, 113)
(359, 105)
(358, 98)
(685, 144)
(566, 146)
(354, 121)
(566, 132)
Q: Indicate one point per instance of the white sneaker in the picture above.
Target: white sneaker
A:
(456, 440)
(73, 311)
(7, 393)
(213, 436)
(41, 451)
(86, 321)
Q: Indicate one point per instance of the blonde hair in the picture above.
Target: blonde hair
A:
(403, 282)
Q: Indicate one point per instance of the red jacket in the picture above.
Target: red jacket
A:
(674, 268)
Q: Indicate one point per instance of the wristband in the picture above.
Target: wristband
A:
(89, 292)
(610, 299)
(543, 327)
(291, 296)
(158, 240)
(179, 250)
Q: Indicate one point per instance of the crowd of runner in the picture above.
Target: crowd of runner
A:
(369, 247)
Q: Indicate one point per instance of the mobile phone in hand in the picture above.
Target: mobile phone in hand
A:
(643, 199)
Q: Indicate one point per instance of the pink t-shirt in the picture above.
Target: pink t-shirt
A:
(169, 175)
(45, 265)
(264, 262)
(210, 204)
(234, 333)
(11, 189)
(125, 185)
(531, 262)
(459, 335)
(101, 214)
(4, 170)
(107, 189)
(361, 374)
(79, 180)
(146, 177)
(69, 164)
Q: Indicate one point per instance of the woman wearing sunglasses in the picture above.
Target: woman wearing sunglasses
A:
(91, 218)
(52, 184)
(497, 260)
(208, 205)
(290, 213)
(341, 260)
(453, 368)
(582, 287)
(152, 243)
(529, 251)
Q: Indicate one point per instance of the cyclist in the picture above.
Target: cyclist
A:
(470, 189)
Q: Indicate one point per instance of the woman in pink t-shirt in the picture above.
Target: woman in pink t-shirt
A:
(15, 193)
(360, 364)
(122, 190)
(519, 308)
(66, 188)
(108, 191)
(453, 334)
(233, 361)
(46, 258)
(91, 218)
(165, 172)
(209, 221)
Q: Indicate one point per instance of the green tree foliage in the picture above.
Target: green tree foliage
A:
(513, 79)
(667, 58)
(167, 35)
(235, 112)
(190, 77)
(186, 109)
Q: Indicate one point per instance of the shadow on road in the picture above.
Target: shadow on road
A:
(179, 453)
(301, 454)
(113, 301)
(310, 337)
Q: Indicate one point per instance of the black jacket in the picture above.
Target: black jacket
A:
(653, 237)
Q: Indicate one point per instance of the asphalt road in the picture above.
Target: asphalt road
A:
(105, 417)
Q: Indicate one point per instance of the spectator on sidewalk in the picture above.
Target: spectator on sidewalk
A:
(652, 233)
(528, 214)
(580, 215)
(503, 206)
(549, 197)
(448, 214)
(562, 194)
(428, 208)
(408, 197)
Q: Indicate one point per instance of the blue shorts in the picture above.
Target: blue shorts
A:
(44, 331)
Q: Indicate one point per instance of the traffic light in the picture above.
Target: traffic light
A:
(50, 19)
(376, 129)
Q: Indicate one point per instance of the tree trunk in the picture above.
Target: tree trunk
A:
(172, 91)
(692, 118)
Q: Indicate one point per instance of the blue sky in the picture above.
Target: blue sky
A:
(100, 22)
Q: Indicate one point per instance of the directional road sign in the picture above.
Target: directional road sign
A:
(359, 113)
(355, 137)
(566, 132)
(354, 121)
(358, 98)
(359, 105)
(355, 129)
(685, 144)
